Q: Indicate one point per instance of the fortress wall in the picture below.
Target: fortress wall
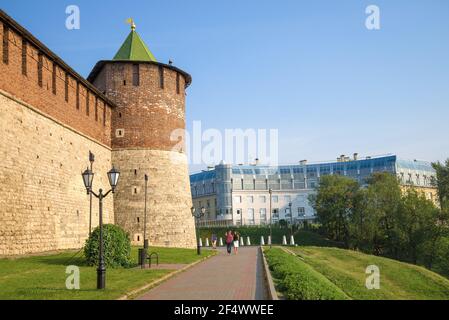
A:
(169, 219)
(33, 75)
(43, 202)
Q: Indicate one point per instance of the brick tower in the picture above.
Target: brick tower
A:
(151, 104)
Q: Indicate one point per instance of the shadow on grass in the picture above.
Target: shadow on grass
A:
(63, 260)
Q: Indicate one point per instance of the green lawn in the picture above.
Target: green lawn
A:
(44, 277)
(345, 269)
(298, 281)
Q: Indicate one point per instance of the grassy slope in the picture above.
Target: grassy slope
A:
(346, 269)
(43, 277)
(299, 281)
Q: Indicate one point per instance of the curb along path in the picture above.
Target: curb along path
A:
(222, 277)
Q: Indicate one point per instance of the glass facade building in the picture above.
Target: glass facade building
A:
(240, 194)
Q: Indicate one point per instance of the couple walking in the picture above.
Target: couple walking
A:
(232, 240)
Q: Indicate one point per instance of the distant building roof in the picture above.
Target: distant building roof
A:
(416, 165)
(134, 48)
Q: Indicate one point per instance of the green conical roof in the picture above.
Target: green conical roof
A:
(134, 49)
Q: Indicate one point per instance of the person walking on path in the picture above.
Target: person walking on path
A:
(214, 241)
(236, 242)
(229, 239)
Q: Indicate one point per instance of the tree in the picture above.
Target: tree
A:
(381, 205)
(334, 204)
(419, 227)
(442, 183)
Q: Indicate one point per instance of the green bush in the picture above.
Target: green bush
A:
(298, 280)
(117, 247)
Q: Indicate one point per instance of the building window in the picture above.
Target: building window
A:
(275, 199)
(136, 75)
(250, 216)
(120, 133)
(238, 199)
(24, 57)
(53, 79)
(301, 211)
(262, 199)
(250, 199)
(161, 77)
(287, 199)
(40, 65)
(5, 44)
(263, 214)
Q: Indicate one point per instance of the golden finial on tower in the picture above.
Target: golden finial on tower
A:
(131, 22)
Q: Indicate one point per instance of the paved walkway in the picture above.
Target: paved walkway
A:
(222, 277)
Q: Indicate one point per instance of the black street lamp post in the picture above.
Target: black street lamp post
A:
(113, 177)
(91, 160)
(291, 219)
(197, 216)
(270, 191)
(145, 241)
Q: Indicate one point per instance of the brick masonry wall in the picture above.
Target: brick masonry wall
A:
(50, 100)
(43, 202)
(147, 114)
(169, 219)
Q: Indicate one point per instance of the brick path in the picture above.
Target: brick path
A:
(223, 277)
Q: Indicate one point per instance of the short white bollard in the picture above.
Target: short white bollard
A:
(207, 242)
(284, 240)
(248, 241)
(262, 241)
(242, 243)
(292, 240)
(221, 242)
(201, 242)
(269, 240)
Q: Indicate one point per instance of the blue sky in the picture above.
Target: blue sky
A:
(308, 68)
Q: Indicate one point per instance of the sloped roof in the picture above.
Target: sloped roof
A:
(134, 49)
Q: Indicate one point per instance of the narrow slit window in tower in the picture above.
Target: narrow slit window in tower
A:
(136, 75)
(161, 77)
